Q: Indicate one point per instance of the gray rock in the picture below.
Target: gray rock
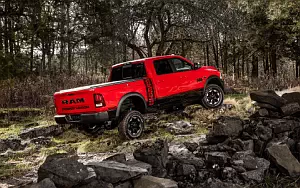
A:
(259, 147)
(282, 125)
(282, 157)
(124, 185)
(180, 128)
(292, 97)
(41, 141)
(263, 132)
(228, 173)
(267, 106)
(191, 146)
(262, 164)
(186, 170)
(154, 182)
(216, 183)
(140, 164)
(256, 176)
(53, 130)
(10, 143)
(240, 155)
(96, 184)
(154, 154)
(45, 183)
(63, 170)
(248, 145)
(290, 109)
(115, 172)
(250, 163)
(220, 158)
(268, 97)
(120, 157)
(227, 126)
(263, 112)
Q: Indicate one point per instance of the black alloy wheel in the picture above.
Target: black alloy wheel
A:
(213, 96)
(132, 125)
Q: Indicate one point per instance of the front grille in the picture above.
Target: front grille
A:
(74, 118)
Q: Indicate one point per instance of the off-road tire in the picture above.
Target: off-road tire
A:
(124, 125)
(215, 101)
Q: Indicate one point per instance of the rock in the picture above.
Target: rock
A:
(263, 112)
(242, 154)
(267, 106)
(180, 128)
(256, 176)
(191, 146)
(292, 97)
(92, 176)
(63, 170)
(45, 183)
(140, 164)
(115, 172)
(282, 157)
(250, 163)
(259, 147)
(262, 164)
(248, 145)
(268, 97)
(227, 126)
(53, 130)
(282, 125)
(96, 184)
(10, 143)
(290, 109)
(154, 154)
(154, 182)
(125, 185)
(263, 132)
(186, 170)
(216, 183)
(220, 158)
(212, 139)
(121, 158)
(41, 141)
(228, 173)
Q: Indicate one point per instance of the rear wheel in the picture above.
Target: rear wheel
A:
(213, 96)
(132, 125)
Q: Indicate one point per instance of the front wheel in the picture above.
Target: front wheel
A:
(131, 125)
(213, 96)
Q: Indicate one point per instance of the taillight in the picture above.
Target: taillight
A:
(99, 100)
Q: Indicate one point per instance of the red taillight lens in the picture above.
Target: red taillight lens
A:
(99, 100)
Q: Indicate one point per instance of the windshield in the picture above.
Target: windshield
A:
(127, 72)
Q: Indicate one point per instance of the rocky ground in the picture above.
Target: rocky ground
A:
(238, 151)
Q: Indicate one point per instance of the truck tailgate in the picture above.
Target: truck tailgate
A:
(75, 102)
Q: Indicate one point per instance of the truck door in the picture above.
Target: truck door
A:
(165, 85)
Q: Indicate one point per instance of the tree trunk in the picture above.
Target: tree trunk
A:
(254, 67)
(267, 66)
(216, 52)
(69, 41)
(298, 68)
(273, 59)
(207, 54)
(243, 62)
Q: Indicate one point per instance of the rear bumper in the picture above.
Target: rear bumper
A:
(83, 118)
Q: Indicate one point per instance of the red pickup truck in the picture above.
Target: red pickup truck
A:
(136, 87)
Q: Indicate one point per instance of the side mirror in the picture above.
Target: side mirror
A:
(197, 66)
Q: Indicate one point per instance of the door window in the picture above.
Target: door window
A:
(162, 67)
(180, 65)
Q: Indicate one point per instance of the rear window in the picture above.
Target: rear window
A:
(126, 72)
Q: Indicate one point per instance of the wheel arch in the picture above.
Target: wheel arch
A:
(138, 98)
(215, 80)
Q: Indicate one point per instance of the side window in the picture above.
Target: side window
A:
(181, 65)
(162, 67)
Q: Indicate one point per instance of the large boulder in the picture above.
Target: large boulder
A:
(292, 97)
(63, 170)
(268, 97)
(140, 164)
(290, 109)
(154, 182)
(227, 126)
(282, 125)
(115, 172)
(120, 157)
(220, 158)
(156, 155)
(282, 157)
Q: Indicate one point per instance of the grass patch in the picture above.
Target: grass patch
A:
(11, 131)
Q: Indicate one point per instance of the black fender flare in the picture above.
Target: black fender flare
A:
(126, 97)
(221, 82)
